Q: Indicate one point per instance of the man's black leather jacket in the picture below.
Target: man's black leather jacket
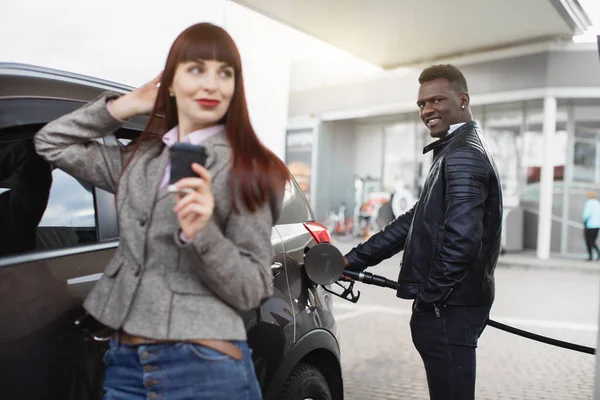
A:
(451, 236)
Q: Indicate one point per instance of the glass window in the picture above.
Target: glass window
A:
(41, 207)
(584, 160)
(533, 145)
(23, 112)
(298, 156)
(502, 131)
(295, 206)
(586, 146)
(586, 170)
(401, 158)
(70, 217)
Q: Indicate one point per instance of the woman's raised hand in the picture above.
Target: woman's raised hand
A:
(137, 102)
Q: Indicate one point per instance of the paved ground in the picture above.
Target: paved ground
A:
(380, 362)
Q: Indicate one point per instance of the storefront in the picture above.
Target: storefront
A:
(521, 103)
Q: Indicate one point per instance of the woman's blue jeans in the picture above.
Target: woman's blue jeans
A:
(178, 371)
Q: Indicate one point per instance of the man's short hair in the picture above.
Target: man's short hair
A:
(448, 72)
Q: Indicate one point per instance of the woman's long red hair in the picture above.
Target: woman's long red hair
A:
(257, 174)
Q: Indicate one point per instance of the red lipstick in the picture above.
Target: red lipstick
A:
(209, 103)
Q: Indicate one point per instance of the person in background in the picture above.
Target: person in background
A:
(188, 262)
(591, 224)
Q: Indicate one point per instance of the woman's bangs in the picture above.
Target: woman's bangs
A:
(208, 47)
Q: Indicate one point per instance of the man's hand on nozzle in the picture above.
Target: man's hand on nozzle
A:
(346, 265)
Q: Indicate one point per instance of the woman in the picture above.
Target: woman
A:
(591, 224)
(187, 264)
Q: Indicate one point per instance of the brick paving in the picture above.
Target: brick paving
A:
(380, 362)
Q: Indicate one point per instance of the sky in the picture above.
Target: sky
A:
(592, 8)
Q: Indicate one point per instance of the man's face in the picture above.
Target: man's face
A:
(440, 106)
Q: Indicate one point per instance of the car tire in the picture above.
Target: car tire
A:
(305, 382)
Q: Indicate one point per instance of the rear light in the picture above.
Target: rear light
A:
(318, 231)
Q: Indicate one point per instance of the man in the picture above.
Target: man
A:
(591, 223)
(450, 238)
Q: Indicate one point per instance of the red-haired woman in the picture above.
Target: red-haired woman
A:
(187, 263)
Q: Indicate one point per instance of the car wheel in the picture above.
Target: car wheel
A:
(305, 382)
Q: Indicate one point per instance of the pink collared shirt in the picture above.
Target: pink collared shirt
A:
(196, 138)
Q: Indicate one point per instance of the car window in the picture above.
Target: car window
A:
(15, 113)
(70, 217)
(295, 206)
(41, 207)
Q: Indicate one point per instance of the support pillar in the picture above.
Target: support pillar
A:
(567, 181)
(547, 179)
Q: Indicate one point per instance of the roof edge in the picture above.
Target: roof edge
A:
(573, 14)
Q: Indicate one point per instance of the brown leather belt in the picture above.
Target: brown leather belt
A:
(222, 346)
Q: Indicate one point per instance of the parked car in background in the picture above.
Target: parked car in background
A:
(57, 233)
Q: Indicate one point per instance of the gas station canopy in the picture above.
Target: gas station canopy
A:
(395, 33)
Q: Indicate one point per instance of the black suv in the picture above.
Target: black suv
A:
(57, 233)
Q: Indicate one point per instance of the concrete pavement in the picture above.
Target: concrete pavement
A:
(528, 259)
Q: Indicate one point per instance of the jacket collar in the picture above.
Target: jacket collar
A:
(217, 140)
(440, 143)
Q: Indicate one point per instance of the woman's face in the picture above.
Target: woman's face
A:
(203, 90)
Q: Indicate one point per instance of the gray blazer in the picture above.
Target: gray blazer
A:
(154, 286)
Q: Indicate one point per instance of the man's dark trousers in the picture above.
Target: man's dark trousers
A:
(447, 346)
